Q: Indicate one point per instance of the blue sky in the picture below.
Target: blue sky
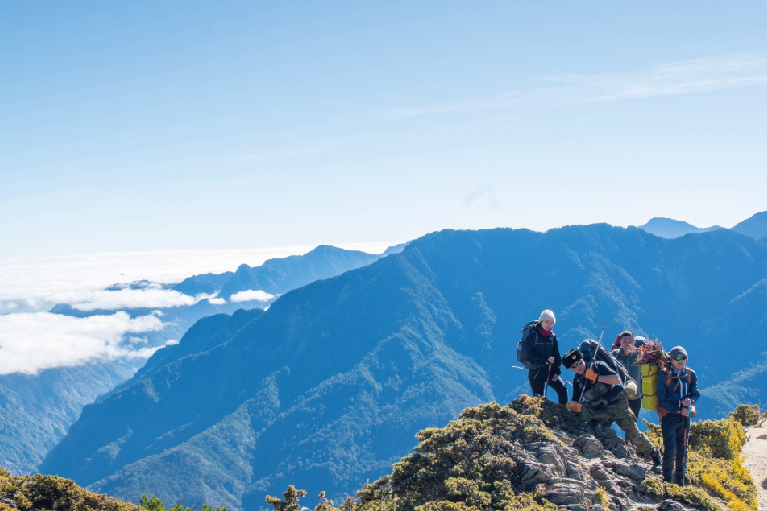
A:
(229, 125)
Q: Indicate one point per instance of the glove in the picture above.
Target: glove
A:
(631, 390)
(591, 375)
(574, 406)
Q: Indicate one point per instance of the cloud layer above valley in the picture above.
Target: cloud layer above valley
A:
(250, 295)
(37, 284)
(31, 342)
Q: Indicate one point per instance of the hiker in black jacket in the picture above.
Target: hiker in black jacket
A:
(677, 393)
(543, 353)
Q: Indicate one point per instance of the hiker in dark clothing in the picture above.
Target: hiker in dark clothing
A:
(543, 353)
(677, 393)
(605, 399)
(626, 355)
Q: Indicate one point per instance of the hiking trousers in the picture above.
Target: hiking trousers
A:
(537, 379)
(620, 412)
(674, 429)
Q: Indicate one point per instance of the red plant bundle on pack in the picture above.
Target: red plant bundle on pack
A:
(651, 353)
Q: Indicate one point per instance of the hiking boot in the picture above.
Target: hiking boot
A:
(657, 462)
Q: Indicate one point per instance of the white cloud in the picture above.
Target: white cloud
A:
(128, 298)
(246, 296)
(9, 305)
(704, 74)
(31, 342)
(75, 279)
(217, 301)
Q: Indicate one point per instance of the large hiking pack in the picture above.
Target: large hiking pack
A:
(522, 354)
(593, 350)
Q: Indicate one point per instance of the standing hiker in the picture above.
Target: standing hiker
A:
(605, 400)
(540, 350)
(626, 355)
(677, 393)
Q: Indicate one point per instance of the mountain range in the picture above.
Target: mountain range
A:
(37, 410)
(755, 226)
(328, 386)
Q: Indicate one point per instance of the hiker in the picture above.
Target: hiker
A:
(542, 357)
(677, 393)
(626, 355)
(605, 400)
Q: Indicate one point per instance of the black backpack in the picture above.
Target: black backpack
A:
(522, 353)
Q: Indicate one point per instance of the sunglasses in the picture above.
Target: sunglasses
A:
(680, 358)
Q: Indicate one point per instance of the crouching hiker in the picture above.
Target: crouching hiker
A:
(677, 393)
(538, 350)
(605, 399)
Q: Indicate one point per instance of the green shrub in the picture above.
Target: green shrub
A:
(723, 439)
(689, 495)
(747, 415)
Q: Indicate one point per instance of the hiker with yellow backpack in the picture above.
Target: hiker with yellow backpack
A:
(677, 394)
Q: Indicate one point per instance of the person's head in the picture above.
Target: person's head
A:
(678, 357)
(573, 360)
(627, 341)
(547, 320)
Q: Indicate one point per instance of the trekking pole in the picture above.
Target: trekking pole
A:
(546, 387)
(686, 435)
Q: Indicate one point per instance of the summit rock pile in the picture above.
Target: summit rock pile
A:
(535, 455)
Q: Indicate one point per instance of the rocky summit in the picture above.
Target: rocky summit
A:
(531, 455)
(535, 455)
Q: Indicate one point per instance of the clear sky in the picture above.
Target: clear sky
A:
(230, 125)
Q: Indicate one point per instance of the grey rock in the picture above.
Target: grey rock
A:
(671, 505)
(589, 446)
(622, 469)
(562, 491)
(533, 474)
(599, 472)
(638, 473)
(553, 455)
(576, 470)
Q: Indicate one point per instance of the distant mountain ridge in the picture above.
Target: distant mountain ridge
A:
(326, 388)
(670, 228)
(755, 226)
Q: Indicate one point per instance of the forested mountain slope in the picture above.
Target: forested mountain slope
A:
(37, 410)
(327, 388)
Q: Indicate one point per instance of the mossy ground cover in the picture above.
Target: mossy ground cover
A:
(53, 493)
(465, 466)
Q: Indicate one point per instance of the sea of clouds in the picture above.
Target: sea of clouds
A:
(33, 339)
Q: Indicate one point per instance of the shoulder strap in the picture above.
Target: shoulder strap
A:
(689, 376)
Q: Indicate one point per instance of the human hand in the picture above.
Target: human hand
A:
(686, 401)
(685, 412)
(554, 377)
(551, 360)
(574, 406)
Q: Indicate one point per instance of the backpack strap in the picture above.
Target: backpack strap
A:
(689, 376)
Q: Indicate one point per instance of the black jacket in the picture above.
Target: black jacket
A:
(540, 348)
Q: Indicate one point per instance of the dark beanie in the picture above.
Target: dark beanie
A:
(571, 357)
(676, 351)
